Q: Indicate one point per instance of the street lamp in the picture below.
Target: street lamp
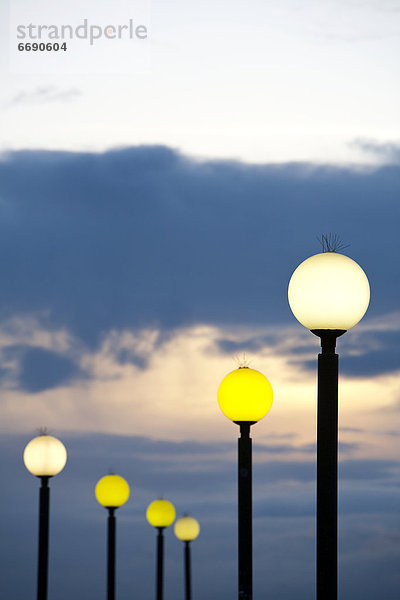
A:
(187, 529)
(112, 491)
(160, 514)
(245, 397)
(44, 456)
(328, 293)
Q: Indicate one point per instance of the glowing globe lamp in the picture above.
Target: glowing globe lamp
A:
(186, 529)
(329, 291)
(112, 491)
(45, 456)
(245, 395)
(160, 513)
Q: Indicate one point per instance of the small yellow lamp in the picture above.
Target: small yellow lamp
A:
(187, 529)
(160, 514)
(112, 491)
(245, 396)
(328, 293)
(44, 457)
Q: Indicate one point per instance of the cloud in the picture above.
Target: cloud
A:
(371, 348)
(146, 237)
(374, 348)
(44, 95)
(368, 469)
(387, 152)
(42, 370)
(169, 387)
(351, 429)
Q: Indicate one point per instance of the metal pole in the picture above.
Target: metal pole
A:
(245, 513)
(43, 551)
(111, 553)
(327, 466)
(160, 563)
(188, 587)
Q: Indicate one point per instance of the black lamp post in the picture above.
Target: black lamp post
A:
(44, 456)
(245, 511)
(188, 573)
(43, 547)
(112, 491)
(160, 514)
(160, 563)
(111, 525)
(327, 465)
(245, 397)
(187, 529)
(328, 294)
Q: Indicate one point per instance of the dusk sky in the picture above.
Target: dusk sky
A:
(155, 198)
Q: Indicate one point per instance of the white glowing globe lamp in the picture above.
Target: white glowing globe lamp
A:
(45, 456)
(329, 291)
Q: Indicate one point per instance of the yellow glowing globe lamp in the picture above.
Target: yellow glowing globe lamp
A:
(245, 395)
(329, 291)
(45, 456)
(186, 529)
(112, 491)
(160, 513)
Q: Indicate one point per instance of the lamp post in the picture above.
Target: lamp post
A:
(328, 293)
(245, 397)
(44, 456)
(112, 491)
(187, 529)
(160, 514)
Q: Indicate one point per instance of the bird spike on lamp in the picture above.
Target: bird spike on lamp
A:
(44, 457)
(329, 294)
(187, 529)
(112, 491)
(160, 514)
(245, 396)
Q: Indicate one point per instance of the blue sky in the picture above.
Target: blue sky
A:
(150, 223)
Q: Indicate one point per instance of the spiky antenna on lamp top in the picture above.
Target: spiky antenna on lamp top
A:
(331, 242)
(242, 361)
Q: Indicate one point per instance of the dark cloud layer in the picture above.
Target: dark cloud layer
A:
(40, 369)
(199, 478)
(144, 235)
